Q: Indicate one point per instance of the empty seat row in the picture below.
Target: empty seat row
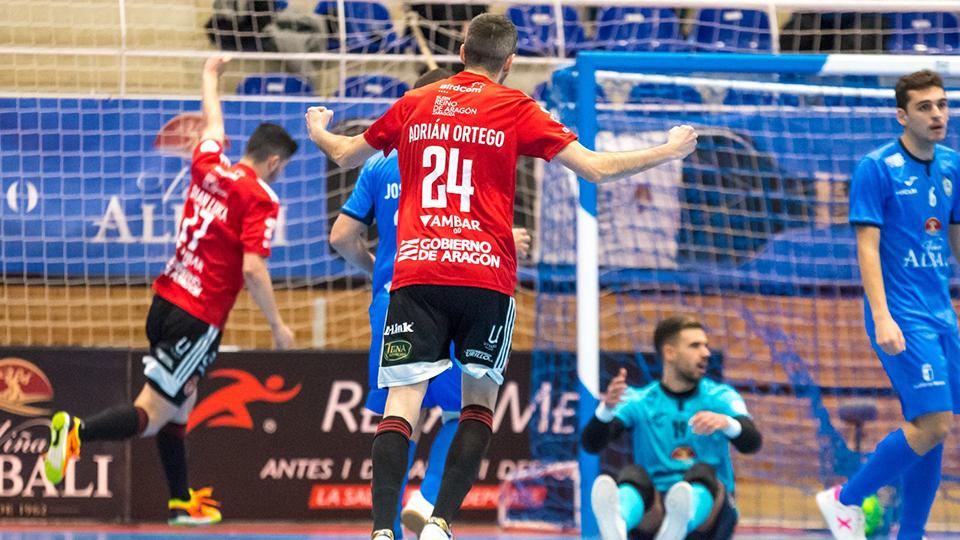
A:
(369, 29)
(290, 84)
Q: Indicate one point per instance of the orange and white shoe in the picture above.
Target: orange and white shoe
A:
(64, 446)
(199, 510)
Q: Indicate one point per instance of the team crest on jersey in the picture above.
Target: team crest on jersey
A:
(895, 161)
(932, 226)
(947, 186)
(683, 453)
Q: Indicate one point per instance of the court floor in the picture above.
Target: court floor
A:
(316, 531)
(288, 531)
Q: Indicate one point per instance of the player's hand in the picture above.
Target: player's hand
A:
(615, 390)
(683, 140)
(215, 64)
(318, 118)
(706, 422)
(889, 337)
(283, 337)
(522, 239)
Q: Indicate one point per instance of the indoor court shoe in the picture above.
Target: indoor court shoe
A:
(605, 500)
(381, 534)
(199, 510)
(64, 446)
(435, 529)
(678, 504)
(415, 513)
(846, 522)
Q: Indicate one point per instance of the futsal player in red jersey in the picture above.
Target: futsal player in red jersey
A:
(223, 241)
(458, 141)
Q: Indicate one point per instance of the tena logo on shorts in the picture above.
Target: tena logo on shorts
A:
(397, 350)
(21, 385)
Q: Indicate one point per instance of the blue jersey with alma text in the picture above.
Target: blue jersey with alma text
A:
(377, 196)
(663, 442)
(912, 202)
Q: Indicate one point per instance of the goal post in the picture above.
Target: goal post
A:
(711, 75)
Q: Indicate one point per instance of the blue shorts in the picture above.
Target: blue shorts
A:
(443, 390)
(926, 375)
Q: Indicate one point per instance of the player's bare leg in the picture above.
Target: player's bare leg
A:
(391, 447)
(467, 450)
(159, 409)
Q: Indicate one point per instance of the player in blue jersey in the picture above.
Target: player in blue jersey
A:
(376, 198)
(901, 202)
(681, 482)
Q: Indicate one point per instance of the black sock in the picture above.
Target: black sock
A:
(463, 460)
(391, 446)
(173, 456)
(114, 424)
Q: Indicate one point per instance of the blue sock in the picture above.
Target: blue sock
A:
(892, 457)
(397, 527)
(438, 456)
(920, 485)
(631, 505)
(702, 504)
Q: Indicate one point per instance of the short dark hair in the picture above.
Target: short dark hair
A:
(270, 140)
(668, 329)
(490, 40)
(433, 76)
(918, 80)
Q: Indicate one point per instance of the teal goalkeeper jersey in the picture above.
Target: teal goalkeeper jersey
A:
(663, 442)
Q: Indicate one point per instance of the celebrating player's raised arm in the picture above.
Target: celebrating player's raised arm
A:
(210, 92)
(606, 166)
(347, 152)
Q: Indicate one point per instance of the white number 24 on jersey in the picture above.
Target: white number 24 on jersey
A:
(458, 172)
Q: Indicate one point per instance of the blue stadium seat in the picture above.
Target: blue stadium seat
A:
(537, 30)
(540, 91)
(277, 84)
(666, 94)
(633, 28)
(736, 96)
(731, 30)
(375, 86)
(368, 27)
(924, 33)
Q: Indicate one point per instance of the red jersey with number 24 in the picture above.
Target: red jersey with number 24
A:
(458, 142)
(228, 211)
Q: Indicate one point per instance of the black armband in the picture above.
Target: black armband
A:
(597, 435)
(749, 441)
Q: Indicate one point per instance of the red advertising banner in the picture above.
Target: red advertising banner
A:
(286, 436)
(278, 436)
(33, 384)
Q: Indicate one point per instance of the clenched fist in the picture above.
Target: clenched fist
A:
(318, 118)
(683, 139)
